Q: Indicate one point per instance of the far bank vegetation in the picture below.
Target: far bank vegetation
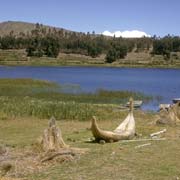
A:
(52, 42)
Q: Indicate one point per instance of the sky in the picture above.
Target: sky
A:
(153, 17)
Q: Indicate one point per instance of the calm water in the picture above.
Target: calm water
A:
(156, 82)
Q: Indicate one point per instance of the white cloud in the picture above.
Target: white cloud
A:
(127, 34)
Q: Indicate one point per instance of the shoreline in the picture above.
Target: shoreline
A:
(133, 60)
(54, 64)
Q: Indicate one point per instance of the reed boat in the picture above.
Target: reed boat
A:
(137, 104)
(126, 129)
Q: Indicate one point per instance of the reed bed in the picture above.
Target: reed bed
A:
(43, 99)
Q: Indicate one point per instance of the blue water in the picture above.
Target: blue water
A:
(156, 82)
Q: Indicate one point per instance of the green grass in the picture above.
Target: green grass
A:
(43, 99)
(25, 87)
(159, 161)
(101, 96)
(27, 104)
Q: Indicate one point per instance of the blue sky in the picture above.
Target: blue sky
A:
(160, 17)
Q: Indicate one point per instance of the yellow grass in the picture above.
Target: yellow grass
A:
(159, 161)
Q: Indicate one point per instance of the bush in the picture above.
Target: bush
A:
(111, 56)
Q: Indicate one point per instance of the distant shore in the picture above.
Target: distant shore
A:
(133, 60)
(57, 64)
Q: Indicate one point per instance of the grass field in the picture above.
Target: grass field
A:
(116, 161)
(24, 114)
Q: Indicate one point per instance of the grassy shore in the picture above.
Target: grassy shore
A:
(60, 62)
(134, 60)
(27, 104)
(42, 99)
(158, 161)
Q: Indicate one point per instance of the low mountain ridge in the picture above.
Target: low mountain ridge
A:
(22, 27)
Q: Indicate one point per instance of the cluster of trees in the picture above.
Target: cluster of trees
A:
(44, 41)
(164, 46)
(118, 50)
(37, 43)
(48, 46)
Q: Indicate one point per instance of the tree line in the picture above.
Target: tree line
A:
(43, 41)
(165, 46)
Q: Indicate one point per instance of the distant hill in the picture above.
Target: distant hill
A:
(17, 27)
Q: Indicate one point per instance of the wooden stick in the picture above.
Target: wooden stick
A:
(139, 140)
(158, 133)
(142, 145)
(50, 157)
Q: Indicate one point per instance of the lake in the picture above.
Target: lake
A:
(164, 83)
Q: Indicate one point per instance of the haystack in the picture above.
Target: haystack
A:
(52, 144)
(170, 115)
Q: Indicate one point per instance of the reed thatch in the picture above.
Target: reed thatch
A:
(126, 130)
(169, 115)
